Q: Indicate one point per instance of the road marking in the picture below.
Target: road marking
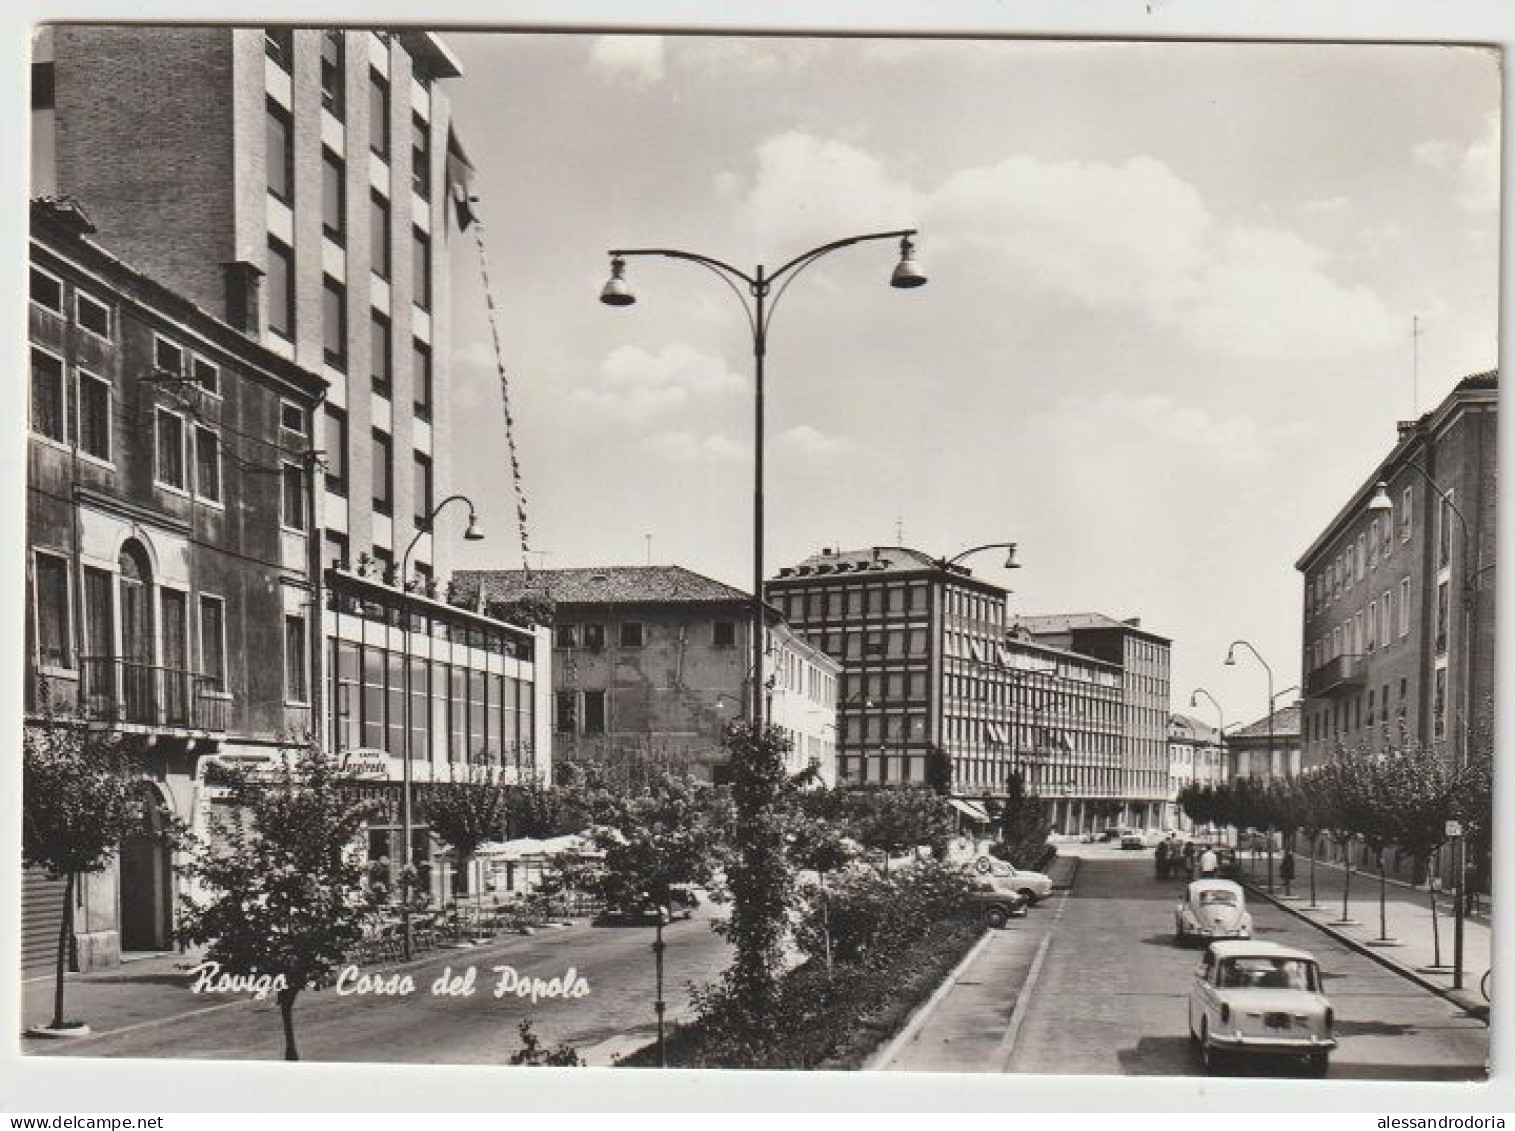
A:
(913, 1026)
(1023, 999)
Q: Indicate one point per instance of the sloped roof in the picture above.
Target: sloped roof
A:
(1285, 724)
(663, 585)
(881, 559)
(1188, 727)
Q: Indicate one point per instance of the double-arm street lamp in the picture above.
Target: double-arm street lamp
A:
(407, 858)
(760, 284)
(1231, 663)
(1472, 579)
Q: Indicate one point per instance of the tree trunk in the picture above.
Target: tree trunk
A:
(1346, 883)
(1383, 892)
(1314, 848)
(1435, 926)
(65, 932)
(287, 1015)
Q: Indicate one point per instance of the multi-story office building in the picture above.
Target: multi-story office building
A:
(169, 554)
(651, 662)
(1143, 658)
(1398, 632)
(901, 623)
(298, 184)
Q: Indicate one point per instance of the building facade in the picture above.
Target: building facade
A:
(1267, 750)
(651, 662)
(1398, 628)
(170, 554)
(1143, 659)
(1196, 756)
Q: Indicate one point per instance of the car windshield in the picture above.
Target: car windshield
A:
(1214, 895)
(1267, 974)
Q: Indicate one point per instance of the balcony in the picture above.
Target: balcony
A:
(1345, 673)
(148, 697)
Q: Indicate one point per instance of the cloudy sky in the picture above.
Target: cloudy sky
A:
(1168, 327)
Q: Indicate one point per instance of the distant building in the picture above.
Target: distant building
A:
(651, 663)
(1265, 753)
(1143, 658)
(1196, 756)
(1398, 632)
(170, 568)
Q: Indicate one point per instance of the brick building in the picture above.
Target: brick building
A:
(169, 551)
(651, 662)
(1398, 627)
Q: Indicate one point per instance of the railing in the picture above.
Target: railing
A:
(1341, 673)
(117, 690)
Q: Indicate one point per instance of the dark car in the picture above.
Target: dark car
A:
(682, 900)
(997, 902)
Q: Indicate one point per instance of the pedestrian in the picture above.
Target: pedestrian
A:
(1188, 860)
(1286, 870)
(1208, 862)
(1162, 860)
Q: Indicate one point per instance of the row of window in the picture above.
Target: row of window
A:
(631, 634)
(835, 602)
(131, 591)
(1365, 710)
(90, 314)
(1365, 631)
(1358, 558)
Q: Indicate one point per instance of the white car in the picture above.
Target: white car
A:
(1260, 998)
(1212, 909)
(1033, 885)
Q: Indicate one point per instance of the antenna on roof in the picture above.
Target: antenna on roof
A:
(1415, 366)
(899, 527)
(649, 547)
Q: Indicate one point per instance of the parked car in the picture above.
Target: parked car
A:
(1259, 998)
(997, 900)
(1110, 834)
(682, 900)
(1132, 841)
(1033, 885)
(1212, 909)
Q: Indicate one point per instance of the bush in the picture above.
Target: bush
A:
(893, 938)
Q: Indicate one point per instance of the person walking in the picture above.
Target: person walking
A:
(1208, 863)
(1286, 870)
(1161, 857)
(1188, 860)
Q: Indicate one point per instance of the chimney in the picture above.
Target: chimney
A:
(1133, 622)
(244, 286)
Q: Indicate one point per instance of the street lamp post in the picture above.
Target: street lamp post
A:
(759, 284)
(1231, 663)
(1472, 575)
(1220, 714)
(472, 534)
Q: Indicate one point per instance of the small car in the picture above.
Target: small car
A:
(997, 902)
(1034, 886)
(1260, 999)
(1212, 909)
(1132, 841)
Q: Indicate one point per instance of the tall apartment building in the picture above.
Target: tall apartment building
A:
(1143, 657)
(651, 662)
(169, 558)
(1398, 628)
(298, 184)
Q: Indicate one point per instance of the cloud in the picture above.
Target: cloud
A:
(1130, 236)
(638, 58)
(1475, 167)
(804, 440)
(679, 446)
(635, 385)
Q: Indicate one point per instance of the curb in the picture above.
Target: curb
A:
(1460, 998)
(880, 1059)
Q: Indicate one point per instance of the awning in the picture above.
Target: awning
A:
(969, 809)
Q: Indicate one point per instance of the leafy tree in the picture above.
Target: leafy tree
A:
(284, 886)
(759, 873)
(1421, 793)
(1021, 823)
(893, 820)
(79, 802)
(469, 809)
(1338, 786)
(532, 1053)
(1105, 808)
(1310, 817)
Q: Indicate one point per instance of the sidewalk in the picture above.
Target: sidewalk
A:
(1408, 909)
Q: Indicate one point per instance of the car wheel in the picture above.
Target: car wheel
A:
(1028, 895)
(1209, 1056)
(1319, 1064)
(996, 916)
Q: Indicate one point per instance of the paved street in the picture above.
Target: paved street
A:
(1111, 991)
(615, 1017)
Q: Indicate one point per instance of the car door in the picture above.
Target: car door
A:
(1202, 994)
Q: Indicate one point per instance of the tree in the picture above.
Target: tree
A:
(467, 810)
(1020, 821)
(80, 800)
(1105, 809)
(284, 885)
(1422, 793)
(892, 820)
(655, 841)
(1310, 817)
(1337, 788)
(759, 875)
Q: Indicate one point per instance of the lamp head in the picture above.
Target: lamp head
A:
(616, 292)
(907, 272)
(1231, 656)
(1194, 699)
(474, 533)
(1380, 503)
(1010, 562)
